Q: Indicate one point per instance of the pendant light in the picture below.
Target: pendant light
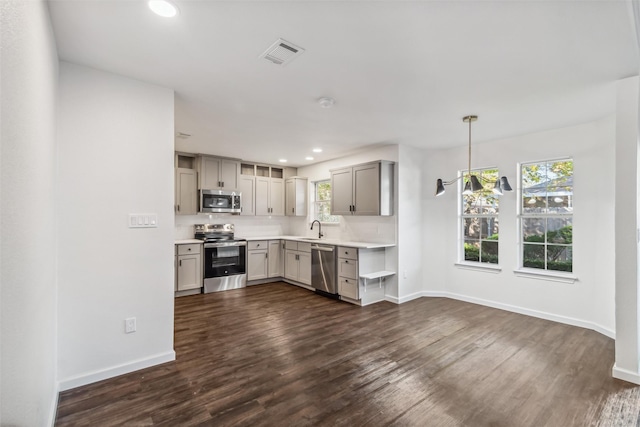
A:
(473, 184)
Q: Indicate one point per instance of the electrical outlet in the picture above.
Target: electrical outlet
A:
(130, 325)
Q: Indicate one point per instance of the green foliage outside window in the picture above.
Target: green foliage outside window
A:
(547, 215)
(323, 202)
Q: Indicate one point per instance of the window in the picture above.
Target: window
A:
(546, 219)
(322, 202)
(479, 222)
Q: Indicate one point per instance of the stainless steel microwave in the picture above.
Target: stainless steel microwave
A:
(220, 201)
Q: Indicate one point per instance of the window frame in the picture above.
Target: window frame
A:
(559, 275)
(462, 262)
(316, 203)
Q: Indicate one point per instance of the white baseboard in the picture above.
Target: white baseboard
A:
(507, 307)
(625, 375)
(125, 368)
(407, 298)
(53, 410)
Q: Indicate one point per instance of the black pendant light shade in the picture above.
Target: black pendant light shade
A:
(475, 183)
(467, 188)
(439, 187)
(497, 189)
(504, 183)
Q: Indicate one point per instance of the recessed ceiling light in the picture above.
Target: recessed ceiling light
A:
(317, 150)
(283, 160)
(308, 158)
(163, 8)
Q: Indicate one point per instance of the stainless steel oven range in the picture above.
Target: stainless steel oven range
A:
(225, 257)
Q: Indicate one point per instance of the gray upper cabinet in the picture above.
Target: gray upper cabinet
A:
(186, 192)
(365, 189)
(247, 187)
(296, 196)
(218, 174)
(269, 198)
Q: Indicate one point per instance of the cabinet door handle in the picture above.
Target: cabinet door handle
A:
(180, 262)
(266, 255)
(222, 184)
(178, 208)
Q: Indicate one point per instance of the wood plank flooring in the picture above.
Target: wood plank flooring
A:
(278, 355)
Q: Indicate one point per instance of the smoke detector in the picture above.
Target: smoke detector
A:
(281, 52)
(326, 102)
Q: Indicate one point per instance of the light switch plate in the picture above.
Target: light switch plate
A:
(143, 220)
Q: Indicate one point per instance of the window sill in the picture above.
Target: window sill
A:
(545, 275)
(487, 268)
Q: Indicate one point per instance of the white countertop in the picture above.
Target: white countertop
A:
(336, 242)
(187, 241)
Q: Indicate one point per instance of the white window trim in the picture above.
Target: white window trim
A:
(538, 273)
(479, 266)
(555, 276)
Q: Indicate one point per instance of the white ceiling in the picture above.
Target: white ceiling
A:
(400, 72)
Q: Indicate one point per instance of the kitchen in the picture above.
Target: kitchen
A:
(278, 249)
(91, 136)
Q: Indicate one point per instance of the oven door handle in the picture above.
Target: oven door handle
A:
(222, 245)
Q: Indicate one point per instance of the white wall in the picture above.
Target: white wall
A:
(589, 301)
(410, 223)
(115, 138)
(29, 69)
(626, 226)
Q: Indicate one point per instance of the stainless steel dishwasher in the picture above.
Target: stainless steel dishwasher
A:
(323, 270)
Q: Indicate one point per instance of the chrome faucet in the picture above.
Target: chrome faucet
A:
(319, 228)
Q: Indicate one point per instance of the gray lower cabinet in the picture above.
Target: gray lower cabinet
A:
(276, 259)
(188, 266)
(257, 262)
(352, 265)
(348, 272)
(297, 263)
(264, 259)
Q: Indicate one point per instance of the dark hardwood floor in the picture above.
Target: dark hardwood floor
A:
(278, 355)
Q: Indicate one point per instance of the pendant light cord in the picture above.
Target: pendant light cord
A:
(469, 169)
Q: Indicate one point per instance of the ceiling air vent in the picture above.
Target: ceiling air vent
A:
(282, 52)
